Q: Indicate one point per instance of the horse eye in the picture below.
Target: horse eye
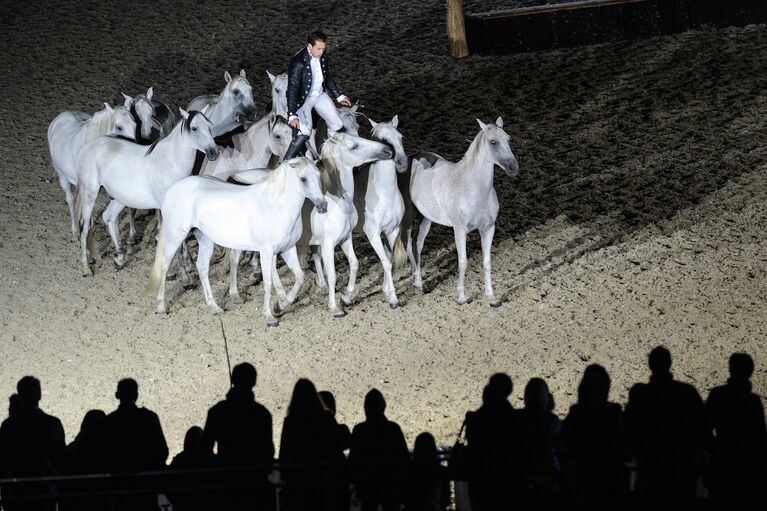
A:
(355, 146)
(493, 142)
(236, 93)
(303, 180)
(277, 90)
(119, 128)
(194, 128)
(278, 137)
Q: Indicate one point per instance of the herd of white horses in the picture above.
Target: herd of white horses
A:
(292, 208)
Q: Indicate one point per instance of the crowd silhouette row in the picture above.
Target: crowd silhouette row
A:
(656, 453)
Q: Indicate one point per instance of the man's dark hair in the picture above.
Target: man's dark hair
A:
(741, 366)
(29, 390)
(244, 376)
(660, 360)
(317, 35)
(375, 404)
(127, 390)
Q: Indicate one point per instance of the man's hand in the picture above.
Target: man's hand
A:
(294, 123)
(345, 101)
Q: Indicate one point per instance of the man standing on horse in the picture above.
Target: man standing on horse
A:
(309, 83)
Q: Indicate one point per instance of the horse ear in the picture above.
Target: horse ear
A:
(395, 121)
(128, 101)
(204, 109)
(242, 73)
(499, 122)
(272, 78)
(184, 113)
(149, 93)
(109, 108)
(373, 124)
(227, 76)
(481, 124)
(295, 163)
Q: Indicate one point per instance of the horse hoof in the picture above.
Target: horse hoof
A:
(237, 299)
(272, 323)
(346, 300)
(87, 273)
(339, 313)
(418, 289)
(461, 301)
(495, 303)
(278, 309)
(217, 311)
(118, 266)
(393, 305)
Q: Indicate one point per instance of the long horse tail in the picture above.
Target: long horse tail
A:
(154, 280)
(399, 257)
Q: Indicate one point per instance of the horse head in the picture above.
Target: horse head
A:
(279, 93)
(239, 94)
(388, 133)
(197, 126)
(353, 151)
(145, 111)
(280, 135)
(121, 122)
(349, 118)
(494, 141)
(309, 177)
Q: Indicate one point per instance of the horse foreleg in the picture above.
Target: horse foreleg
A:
(205, 247)
(234, 261)
(374, 236)
(290, 257)
(486, 236)
(110, 216)
(131, 226)
(354, 265)
(423, 231)
(328, 250)
(169, 247)
(256, 269)
(460, 246)
(267, 260)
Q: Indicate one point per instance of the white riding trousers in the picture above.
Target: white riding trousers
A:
(325, 107)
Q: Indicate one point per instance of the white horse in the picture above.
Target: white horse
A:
(156, 119)
(380, 206)
(264, 217)
(70, 131)
(461, 195)
(340, 154)
(236, 99)
(279, 87)
(253, 149)
(136, 176)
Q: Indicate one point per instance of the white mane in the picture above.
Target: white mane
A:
(99, 124)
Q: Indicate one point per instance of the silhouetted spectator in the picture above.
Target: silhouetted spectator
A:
(538, 440)
(343, 442)
(426, 487)
(14, 405)
(309, 453)
(31, 445)
(85, 455)
(739, 448)
(666, 430)
(377, 456)
(493, 464)
(194, 456)
(241, 430)
(592, 437)
(135, 443)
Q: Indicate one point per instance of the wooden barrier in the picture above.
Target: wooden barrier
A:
(595, 21)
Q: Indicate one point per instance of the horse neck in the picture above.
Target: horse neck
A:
(346, 177)
(259, 143)
(475, 169)
(222, 115)
(383, 176)
(177, 153)
(98, 125)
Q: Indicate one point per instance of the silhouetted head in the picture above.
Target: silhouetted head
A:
(14, 405)
(594, 387)
(29, 391)
(305, 401)
(193, 438)
(244, 376)
(660, 360)
(425, 449)
(375, 404)
(741, 366)
(537, 395)
(499, 387)
(328, 401)
(93, 422)
(127, 391)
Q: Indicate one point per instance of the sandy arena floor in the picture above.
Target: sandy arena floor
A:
(638, 219)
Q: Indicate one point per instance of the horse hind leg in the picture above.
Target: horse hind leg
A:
(374, 237)
(317, 256)
(110, 217)
(267, 267)
(354, 265)
(87, 202)
(486, 237)
(291, 259)
(234, 261)
(204, 252)
(460, 246)
(328, 252)
(70, 198)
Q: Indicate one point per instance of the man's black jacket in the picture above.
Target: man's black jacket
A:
(300, 80)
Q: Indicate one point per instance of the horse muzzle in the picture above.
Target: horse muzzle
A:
(511, 167)
(385, 154)
(321, 205)
(212, 154)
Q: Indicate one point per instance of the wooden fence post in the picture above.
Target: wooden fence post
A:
(456, 31)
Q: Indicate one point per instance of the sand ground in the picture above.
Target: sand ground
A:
(638, 218)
